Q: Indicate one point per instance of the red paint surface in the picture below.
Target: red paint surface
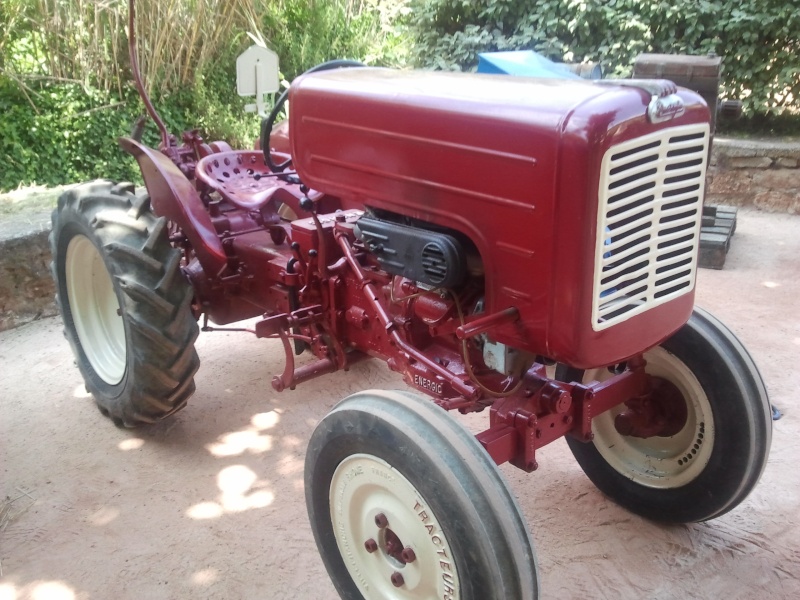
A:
(512, 163)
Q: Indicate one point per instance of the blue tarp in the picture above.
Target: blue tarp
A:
(525, 63)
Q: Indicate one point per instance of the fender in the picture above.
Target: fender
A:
(173, 196)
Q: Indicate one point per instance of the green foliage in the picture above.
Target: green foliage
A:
(785, 125)
(64, 138)
(55, 133)
(306, 33)
(65, 91)
(760, 39)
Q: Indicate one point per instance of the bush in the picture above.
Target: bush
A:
(65, 91)
(65, 82)
(758, 38)
(55, 133)
(64, 137)
(305, 33)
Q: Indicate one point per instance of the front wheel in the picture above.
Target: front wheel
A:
(712, 460)
(405, 503)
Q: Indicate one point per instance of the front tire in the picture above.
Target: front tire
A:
(125, 303)
(715, 460)
(388, 471)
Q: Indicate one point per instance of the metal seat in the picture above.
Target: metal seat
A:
(240, 176)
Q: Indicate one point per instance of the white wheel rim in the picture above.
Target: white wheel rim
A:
(364, 486)
(95, 310)
(661, 462)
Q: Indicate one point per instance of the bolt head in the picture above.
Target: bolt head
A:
(371, 545)
(408, 555)
(397, 579)
(381, 520)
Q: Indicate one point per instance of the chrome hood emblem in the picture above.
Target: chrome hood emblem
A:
(665, 108)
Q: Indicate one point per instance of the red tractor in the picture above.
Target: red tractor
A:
(523, 246)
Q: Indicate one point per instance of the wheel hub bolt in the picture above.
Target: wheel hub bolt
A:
(371, 545)
(408, 555)
(381, 520)
(397, 579)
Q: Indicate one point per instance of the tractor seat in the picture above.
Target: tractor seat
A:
(240, 176)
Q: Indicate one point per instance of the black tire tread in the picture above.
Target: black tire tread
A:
(133, 254)
(172, 273)
(744, 367)
(145, 295)
(155, 300)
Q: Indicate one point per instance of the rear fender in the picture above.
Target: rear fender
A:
(173, 196)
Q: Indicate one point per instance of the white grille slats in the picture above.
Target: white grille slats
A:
(648, 226)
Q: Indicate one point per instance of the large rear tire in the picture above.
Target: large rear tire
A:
(390, 471)
(715, 460)
(125, 303)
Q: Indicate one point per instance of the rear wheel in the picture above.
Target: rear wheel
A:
(125, 304)
(714, 457)
(405, 503)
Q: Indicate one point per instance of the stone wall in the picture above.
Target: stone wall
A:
(26, 288)
(763, 174)
(27, 291)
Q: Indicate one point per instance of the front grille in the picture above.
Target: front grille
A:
(648, 226)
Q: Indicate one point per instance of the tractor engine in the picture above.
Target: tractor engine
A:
(578, 204)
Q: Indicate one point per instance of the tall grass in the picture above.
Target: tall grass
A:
(190, 38)
(87, 40)
(180, 41)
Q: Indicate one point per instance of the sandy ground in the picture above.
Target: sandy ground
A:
(210, 504)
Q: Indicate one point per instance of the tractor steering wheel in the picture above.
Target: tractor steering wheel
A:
(269, 122)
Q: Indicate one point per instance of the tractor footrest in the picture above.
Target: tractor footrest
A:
(718, 226)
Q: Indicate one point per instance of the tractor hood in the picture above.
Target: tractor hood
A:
(378, 134)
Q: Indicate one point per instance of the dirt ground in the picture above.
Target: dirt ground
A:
(210, 504)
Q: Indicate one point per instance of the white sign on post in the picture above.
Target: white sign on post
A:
(256, 75)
